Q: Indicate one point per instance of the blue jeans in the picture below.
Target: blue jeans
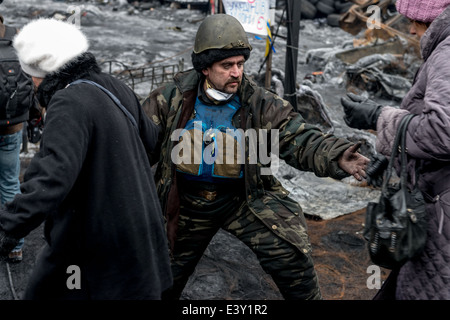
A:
(10, 169)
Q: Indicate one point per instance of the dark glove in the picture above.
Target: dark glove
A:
(360, 112)
(375, 170)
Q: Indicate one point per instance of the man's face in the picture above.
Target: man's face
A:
(226, 75)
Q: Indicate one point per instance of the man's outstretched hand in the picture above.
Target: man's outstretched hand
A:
(353, 162)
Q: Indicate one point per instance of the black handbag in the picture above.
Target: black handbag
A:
(396, 226)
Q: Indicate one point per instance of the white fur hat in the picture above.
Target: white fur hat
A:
(46, 45)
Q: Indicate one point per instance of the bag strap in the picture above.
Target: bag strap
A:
(404, 161)
(399, 147)
(113, 98)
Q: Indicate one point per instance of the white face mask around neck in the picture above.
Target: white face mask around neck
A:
(216, 94)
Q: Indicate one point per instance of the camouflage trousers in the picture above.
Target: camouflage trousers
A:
(291, 269)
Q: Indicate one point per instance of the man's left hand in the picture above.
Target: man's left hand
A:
(353, 162)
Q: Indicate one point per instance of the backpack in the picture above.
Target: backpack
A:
(16, 88)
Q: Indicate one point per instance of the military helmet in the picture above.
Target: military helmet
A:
(220, 31)
(219, 36)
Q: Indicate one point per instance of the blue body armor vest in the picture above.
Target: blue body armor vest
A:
(221, 147)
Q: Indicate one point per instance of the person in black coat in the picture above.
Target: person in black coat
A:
(91, 181)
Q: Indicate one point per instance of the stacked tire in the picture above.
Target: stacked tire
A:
(329, 9)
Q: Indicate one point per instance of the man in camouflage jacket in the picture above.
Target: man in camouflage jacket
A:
(256, 208)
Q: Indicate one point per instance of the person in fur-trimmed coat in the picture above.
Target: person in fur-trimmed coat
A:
(91, 181)
(428, 146)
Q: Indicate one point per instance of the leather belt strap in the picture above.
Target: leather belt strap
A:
(11, 129)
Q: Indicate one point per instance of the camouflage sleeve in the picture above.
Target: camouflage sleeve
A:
(306, 148)
(156, 107)
(302, 145)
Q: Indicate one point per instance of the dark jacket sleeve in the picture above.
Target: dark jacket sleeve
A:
(53, 170)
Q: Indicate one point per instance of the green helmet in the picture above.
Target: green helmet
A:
(220, 31)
